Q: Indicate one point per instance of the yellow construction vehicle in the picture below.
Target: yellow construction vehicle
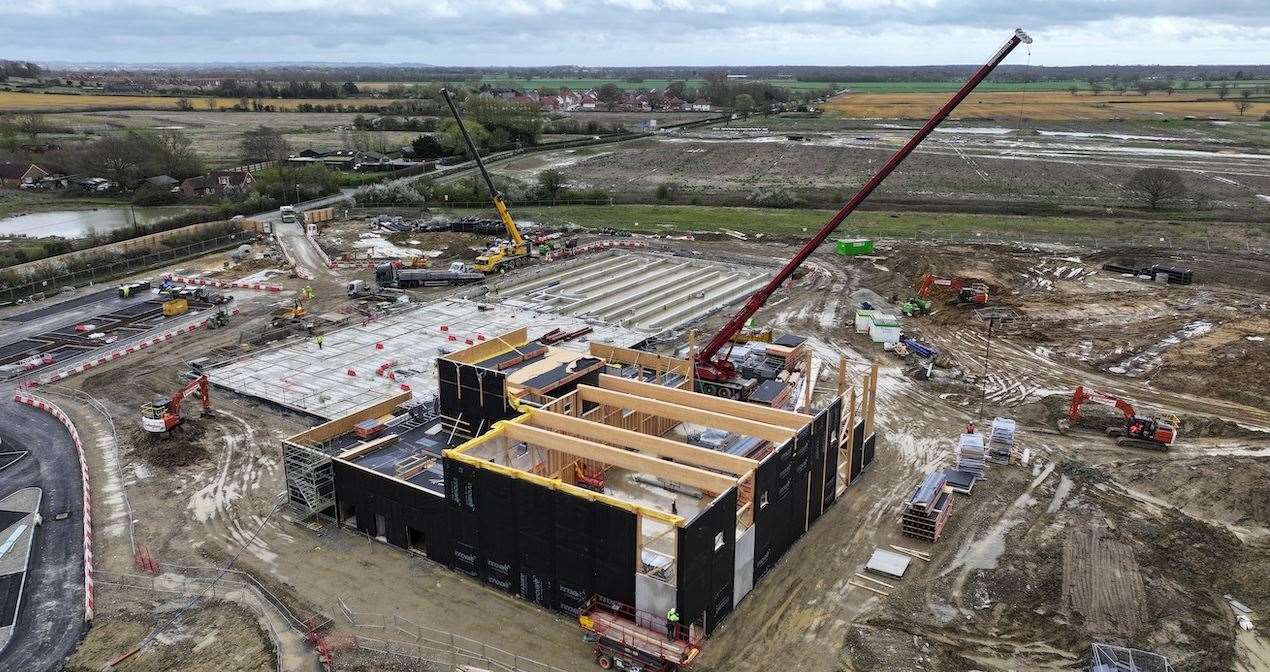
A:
(500, 257)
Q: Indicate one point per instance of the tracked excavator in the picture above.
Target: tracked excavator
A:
(1153, 433)
(163, 415)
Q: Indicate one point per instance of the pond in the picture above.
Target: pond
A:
(77, 223)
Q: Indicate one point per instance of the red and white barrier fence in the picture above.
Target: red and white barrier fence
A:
(593, 247)
(112, 356)
(48, 407)
(223, 284)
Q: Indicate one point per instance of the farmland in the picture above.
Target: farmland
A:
(1049, 105)
(796, 85)
(25, 101)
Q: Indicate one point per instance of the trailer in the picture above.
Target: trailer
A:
(390, 275)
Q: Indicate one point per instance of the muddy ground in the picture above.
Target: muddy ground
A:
(213, 637)
(1088, 542)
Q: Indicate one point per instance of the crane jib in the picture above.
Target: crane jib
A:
(756, 301)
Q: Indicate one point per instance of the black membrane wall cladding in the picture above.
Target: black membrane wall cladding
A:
(793, 487)
(857, 451)
(473, 396)
(408, 516)
(707, 564)
(548, 547)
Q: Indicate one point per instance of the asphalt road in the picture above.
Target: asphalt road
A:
(51, 616)
(75, 311)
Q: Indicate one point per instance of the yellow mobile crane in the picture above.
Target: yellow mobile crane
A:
(500, 257)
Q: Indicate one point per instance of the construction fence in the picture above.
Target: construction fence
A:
(397, 636)
(223, 590)
(111, 270)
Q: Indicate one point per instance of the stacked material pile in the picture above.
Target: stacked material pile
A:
(969, 455)
(928, 510)
(1001, 441)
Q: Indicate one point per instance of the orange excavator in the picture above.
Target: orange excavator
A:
(163, 415)
(966, 291)
(1153, 433)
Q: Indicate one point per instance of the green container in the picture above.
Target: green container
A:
(850, 247)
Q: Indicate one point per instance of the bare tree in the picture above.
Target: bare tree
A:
(1223, 90)
(117, 158)
(1073, 89)
(32, 124)
(1242, 105)
(176, 154)
(1144, 88)
(184, 104)
(1154, 187)
(263, 144)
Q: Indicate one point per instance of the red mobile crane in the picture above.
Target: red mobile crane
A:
(162, 415)
(1154, 433)
(717, 374)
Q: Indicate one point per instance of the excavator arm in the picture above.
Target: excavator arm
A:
(513, 232)
(198, 385)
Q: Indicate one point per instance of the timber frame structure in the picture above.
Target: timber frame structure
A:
(563, 476)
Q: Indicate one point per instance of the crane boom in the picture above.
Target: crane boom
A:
(707, 366)
(518, 241)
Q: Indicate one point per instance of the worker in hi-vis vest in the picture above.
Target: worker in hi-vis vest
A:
(672, 619)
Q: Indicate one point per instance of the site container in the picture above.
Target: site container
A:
(863, 318)
(850, 247)
(175, 307)
(884, 328)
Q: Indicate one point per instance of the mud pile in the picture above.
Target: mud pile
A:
(1049, 410)
(183, 448)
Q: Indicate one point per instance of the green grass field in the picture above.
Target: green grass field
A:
(798, 224)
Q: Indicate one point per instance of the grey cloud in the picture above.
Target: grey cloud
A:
(631, 32)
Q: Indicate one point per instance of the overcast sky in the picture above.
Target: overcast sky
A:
(635, 32)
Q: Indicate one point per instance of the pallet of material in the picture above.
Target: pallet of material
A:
(969, 454)
(1001, 441)
(928, 525)
(960, 481)
(928, 509)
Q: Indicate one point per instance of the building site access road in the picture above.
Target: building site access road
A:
(51, 616)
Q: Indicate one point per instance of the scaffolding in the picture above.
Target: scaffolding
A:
(1108, 658)
(310, 478)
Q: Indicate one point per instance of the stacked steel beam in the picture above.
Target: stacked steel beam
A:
(927, 511)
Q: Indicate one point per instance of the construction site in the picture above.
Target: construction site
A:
(367, 445)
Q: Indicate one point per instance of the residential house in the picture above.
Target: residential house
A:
(162, 181)
(589, 100)
(701, 105)
(20, 175)
(218, 183)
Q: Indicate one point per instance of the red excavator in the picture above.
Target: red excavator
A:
(1153, 433)
(163, 415)
(966, 291)
(715, 373)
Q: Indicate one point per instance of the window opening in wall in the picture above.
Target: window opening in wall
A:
(348, 514)
(381, 526)
(718, 541)
(762, 502)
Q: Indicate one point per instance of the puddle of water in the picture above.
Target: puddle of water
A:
(1060, 494)
(76, 223)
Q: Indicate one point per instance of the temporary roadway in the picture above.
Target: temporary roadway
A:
(49, 614)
